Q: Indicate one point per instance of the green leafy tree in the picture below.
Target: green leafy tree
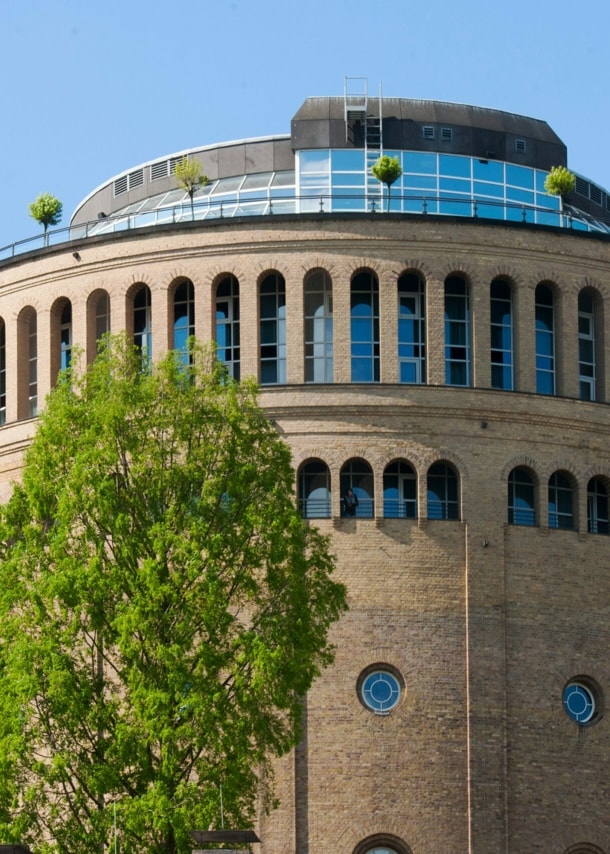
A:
(46, 210)
(189, 177)
(163, 609)
(387, 170)
(560, 182)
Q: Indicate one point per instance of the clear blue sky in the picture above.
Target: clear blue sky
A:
(90, 89)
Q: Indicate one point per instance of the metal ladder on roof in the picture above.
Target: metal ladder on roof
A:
(364, 126)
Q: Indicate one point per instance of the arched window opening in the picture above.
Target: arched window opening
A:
(399, 491)
(357, 476)
(365, 328)
(102, 317)
(501, 317)
(318, 328)
(411, 329)
(545, 340)
(587, 368)
(521, 498)
(597, 507)
(382, 843)
(65, 336)
(443, 492)
(561, 512)
(314, 490)
(227, 324)
(142, 323)
(184, 316)
(273, 329)
(457, 332)
(2, 372)
(33, 364)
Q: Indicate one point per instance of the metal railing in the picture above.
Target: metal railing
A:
(212, 208)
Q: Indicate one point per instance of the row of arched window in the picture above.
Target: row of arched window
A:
(318, 332)
(400, 494)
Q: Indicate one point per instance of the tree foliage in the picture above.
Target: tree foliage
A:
(387, 170)
(46, 210)
(163, 609)
(189, 177)
(560, 181)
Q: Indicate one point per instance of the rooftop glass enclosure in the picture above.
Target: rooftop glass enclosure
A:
(337, 180)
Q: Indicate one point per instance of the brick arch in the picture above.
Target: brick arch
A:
(592, 284)
(400, 451)
(314, 270)
(417, 266)
(444, 455)
(601, 470)
(461, 269)
(175, 280)
(217, 274)
(583, 848)
(509, 273)
(268, 270)
(563, 465)
(521, 461)
(376, 830)
(309, 454)
(135, 286)
(363, 265)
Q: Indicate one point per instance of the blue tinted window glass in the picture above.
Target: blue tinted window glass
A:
(540, 178)
(453, 164)
(482, 189)
(420, 182)
(456, 185)
(490, 211)
(419, 162)
(490, 171)
(520, 176)
(348, 179)
(347, 160)
(546, 201)
(314, 180)
(522, 196)
(314, 161)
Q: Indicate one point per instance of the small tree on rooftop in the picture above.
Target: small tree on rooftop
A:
(189, 177)
(46, 209)
(387, 170)
(560, 182)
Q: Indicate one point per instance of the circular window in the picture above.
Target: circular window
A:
(380, 690)
(581, 701)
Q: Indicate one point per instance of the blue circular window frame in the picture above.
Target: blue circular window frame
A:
(380, 689)
(582, 701)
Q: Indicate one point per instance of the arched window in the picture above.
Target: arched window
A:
(501, 317)
(561, 512)
(365, 327)
(273, 329)
(457, 332)
(142, 322)
(521, 498)
(227, 324)
(545, 340)
(443, 492)
(597, 507)
(184, 315)
(399, 491)
(65, 336)
(318, 328)
(102, 316)
(357, 475)
(587, 362)
(411, 329)
(382, 843)
(2, 372)
(314, 490)
(27, 362)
